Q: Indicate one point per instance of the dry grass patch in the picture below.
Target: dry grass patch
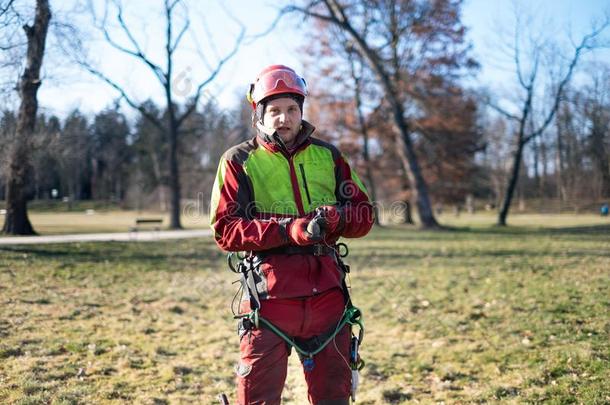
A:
(470, 315)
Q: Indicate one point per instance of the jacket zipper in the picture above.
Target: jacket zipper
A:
(295, 187)
(305, 183)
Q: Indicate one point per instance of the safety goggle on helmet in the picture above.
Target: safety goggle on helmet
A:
(275, 79)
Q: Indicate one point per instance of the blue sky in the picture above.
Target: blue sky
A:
(489, 21)
(67, 88)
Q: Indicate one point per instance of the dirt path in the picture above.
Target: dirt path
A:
(140, 236)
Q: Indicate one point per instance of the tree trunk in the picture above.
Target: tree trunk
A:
(409, 157)
(174, 174)
(365, 149)
(537, 181)
(407, 151)
(544, 178)
(512, 183)
(409, 160)
(559, 166)
(598, 151)
(373, 191)
(408, 217)
(17, 221)
(174, 181)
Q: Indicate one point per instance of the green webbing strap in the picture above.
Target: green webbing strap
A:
(350, 316)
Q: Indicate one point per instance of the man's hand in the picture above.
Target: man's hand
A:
(298, 233)
(327, 224)
(334, 220)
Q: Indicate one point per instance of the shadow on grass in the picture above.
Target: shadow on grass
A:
(392, 256)
(205, 252)
(149, 253)
(411, 232)
(603, 229)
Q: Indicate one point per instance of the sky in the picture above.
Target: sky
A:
(213, 33)
(490, 22)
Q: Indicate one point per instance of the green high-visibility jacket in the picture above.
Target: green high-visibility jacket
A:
(260, 186)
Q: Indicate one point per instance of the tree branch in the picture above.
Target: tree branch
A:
(309, 13)
(251, 38)
(13, 46)
(583, 46)
(336, 10)
(171, 6)
(212, 76)
(168, 47)
(180, 35)
(502, 111)
(123, 94)
(6, 7)
(138, 53)
(518, 54)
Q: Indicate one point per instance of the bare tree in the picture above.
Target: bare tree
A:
(174, 119)
(12, 49)
(598, 114)
(528, 64)
(17, 221)
(356, 73)
(5, 5)
(399, 40)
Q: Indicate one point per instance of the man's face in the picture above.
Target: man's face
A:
(284, 116)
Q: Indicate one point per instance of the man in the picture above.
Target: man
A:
(286, 198)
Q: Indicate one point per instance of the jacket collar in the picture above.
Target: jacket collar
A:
(274, 143)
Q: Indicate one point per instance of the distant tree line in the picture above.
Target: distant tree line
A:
(465, 151)
(107, 157)
(388, 84)
(553, 143)
(569, 162)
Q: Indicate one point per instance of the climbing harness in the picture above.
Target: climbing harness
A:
(247, 267)
(351, 316)
(223, 399)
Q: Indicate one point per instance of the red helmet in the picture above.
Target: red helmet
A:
(275, 79)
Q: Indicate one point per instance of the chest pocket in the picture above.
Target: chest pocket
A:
(270, 177)
(317, 182)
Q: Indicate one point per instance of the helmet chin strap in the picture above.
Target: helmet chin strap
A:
(264, 129)
(270, 133)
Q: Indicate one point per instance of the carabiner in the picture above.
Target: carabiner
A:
(240, 257)
(230, 262)
(344, 246)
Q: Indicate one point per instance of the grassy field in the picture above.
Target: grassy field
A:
(471, 315)
(99, 219)
(56, 223)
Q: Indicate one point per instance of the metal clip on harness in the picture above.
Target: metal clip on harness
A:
(351, 315)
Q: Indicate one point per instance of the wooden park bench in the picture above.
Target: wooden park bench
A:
(147, 223)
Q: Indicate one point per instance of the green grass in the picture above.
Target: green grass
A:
(471, 315)
(94, 218)
(56, 223)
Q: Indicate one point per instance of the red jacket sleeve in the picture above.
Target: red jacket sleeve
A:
(231, 214)
(353, 198)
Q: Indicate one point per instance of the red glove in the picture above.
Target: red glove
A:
(334, 221)
(297, 232)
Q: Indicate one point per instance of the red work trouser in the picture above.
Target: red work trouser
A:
(261, 372)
